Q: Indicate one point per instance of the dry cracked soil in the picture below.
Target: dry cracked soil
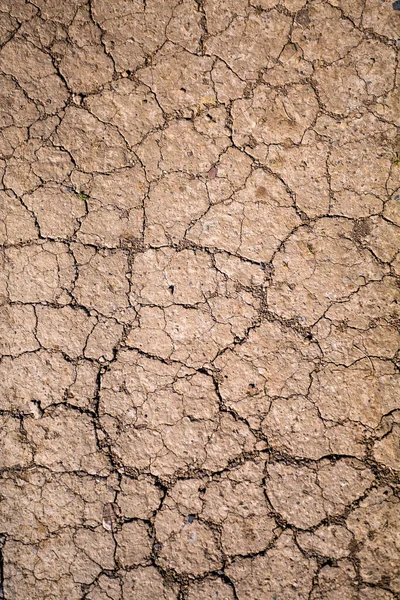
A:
(200, 300)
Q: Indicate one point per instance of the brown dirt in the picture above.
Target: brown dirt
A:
(200, 302)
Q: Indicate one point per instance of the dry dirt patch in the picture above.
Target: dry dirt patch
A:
(199, 300)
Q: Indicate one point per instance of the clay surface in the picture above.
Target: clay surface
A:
(199, 300)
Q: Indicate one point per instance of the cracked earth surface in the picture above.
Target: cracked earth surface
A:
(200, 300)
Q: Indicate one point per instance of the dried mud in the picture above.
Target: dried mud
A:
(200, 301)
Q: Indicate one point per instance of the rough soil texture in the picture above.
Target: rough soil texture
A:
(200, 300)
